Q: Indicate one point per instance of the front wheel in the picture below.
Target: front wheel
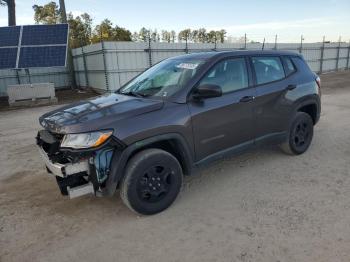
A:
(300, 134)
(152, 181)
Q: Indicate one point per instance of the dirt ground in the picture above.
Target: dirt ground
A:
(260, 206)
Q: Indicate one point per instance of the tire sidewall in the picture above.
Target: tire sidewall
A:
(136, 168)
(300, 116)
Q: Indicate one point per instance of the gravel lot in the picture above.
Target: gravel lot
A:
(260, 206)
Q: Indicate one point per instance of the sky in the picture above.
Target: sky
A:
(258, 19)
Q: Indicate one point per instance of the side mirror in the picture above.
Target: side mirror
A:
(207, 91)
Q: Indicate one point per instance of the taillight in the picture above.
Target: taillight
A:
(318, 81)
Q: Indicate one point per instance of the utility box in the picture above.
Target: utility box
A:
(31, 94)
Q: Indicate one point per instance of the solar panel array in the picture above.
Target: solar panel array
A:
(33, 46)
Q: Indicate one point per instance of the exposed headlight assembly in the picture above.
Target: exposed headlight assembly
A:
(85, 140)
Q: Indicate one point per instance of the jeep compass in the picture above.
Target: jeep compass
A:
(178, 115)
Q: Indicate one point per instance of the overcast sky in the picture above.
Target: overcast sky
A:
(287, 19)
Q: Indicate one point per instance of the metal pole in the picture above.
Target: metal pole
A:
(18, 76)
(186, 48)
(215, 43)
(149, 49)
(322, 54)
(263, 46)
(70, 65)
(105, 65)
(301, 44)
(347, 61)
(63, 12)
(245, 41)
(28, 74)
(85, 68)
(338, 51)
(275, 42)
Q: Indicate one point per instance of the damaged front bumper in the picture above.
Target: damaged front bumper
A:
(77, 172)
(63, 170)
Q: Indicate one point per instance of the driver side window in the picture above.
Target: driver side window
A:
(229, 74)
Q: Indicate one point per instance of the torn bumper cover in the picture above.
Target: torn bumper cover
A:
(77, 173)
(64, 170)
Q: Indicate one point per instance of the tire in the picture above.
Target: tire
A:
(300, 134)
(152, 181)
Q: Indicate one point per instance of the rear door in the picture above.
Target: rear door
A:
(272, 109)
(223, 122)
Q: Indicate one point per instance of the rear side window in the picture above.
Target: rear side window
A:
(289, 66)
(268, 69)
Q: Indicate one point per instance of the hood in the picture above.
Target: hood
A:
(98, 113)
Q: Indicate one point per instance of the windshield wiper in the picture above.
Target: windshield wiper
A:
(133, 93)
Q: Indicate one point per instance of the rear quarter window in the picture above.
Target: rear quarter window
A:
(301, 65)
(289, 67)
(268, 69)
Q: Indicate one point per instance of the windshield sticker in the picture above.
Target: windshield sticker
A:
(187, 66)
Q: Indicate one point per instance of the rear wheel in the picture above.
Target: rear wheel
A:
(152, 181)
(300, 134)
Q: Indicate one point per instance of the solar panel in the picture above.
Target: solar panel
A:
(44, 34)
(8, 57)
(44, 56)
(33, 46)
(9, 36)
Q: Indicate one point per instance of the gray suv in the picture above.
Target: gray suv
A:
(178, 115)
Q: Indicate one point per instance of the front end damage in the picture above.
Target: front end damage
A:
(77, 172)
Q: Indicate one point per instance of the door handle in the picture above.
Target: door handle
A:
(291, 87)
(247, 99)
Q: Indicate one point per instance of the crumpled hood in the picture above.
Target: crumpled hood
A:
(98, 113)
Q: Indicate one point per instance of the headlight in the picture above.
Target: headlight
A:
(85, 140)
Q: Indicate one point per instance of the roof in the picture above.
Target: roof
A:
(207, 55)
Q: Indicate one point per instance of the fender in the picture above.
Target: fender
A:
(120, 158)
(309, 100)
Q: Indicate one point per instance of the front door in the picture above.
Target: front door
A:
(223, 122)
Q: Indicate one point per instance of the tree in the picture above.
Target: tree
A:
(172, 36)
(211, 36)
(202, 35)
(121, 34)
(166, 36)
(135, 37)
(220, 35)
(46, 14)
(195, 36)
(185, 35)
(106, 32)
(11, 10)
(80, 29)
(143, 34)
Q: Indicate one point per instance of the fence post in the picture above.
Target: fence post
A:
(105, 65)
(347, 61)
(275, 42)
(338, 51)
(149, 50)
(186, 46)
(263, 45)
(322, 54)
(85, 68)
(301, 44)
(245, 41)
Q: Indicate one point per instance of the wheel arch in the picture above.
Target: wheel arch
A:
(172, 143)
(310, 106)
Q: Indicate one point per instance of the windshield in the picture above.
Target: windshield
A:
(163, 79)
